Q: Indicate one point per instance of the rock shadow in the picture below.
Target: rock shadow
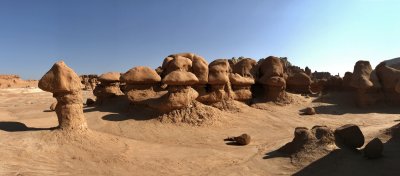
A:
(18, 126)
(339, 103)
(347, 162)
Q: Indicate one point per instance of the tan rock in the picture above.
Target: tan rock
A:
(64, 83)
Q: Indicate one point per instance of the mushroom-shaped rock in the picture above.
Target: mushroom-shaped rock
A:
(141, 84)
(242, 78)
(220, 86)
(177, 63)
(219, 72)
(199, 66)
(180, 78)
(140, 75)
(390, 79)
(349, 136)
(64, 83)
(244, 67)
(271, 75)
(60, 79)
(361, 75)
(110, 77)
(271, 67)
(180, 95)
(365, 81)
(373, 149)
(108, 87)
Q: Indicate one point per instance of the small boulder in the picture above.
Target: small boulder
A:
(309, 111)
(243, 139)
(373, 149)
(349, 136)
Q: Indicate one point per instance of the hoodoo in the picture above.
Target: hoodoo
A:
(65, 85)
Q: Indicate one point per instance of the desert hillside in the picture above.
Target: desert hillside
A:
(14, 81)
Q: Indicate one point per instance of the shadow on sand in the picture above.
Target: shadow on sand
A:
(121, 109)
(18, 126)
(339, 103)
(346, 162)
(351, 163)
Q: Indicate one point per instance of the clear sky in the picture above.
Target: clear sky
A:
(115, 35)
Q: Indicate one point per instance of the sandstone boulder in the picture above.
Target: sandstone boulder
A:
(373, 149)
(243, 139)
(349, 136)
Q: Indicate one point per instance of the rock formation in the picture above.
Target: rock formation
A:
(242, 78)
(142, 84)
(306, 140)
(65, 85)
(309, 111)
(346, 85)
(218, 79)
(373, 149)
(180, 93)
(349, 136)
(366, 84)
(390, 80)
(272, 77)
(299, 83)
(108, 87)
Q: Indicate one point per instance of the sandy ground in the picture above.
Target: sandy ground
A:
(124, 142)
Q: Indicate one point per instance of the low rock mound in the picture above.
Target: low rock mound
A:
(196, 114)
(307, 145)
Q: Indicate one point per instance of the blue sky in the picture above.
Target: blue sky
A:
(96, 36)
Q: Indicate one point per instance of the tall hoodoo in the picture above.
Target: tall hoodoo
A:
(366, 83)
(191, 63)
(390, 80)
(218, 79)
(241, 79)
(65, 85)
(272, 77)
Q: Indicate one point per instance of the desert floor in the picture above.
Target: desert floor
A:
(126, 142)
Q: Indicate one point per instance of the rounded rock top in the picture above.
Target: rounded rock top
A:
(180, 78)
(110, 77)
(60, 79)
(141, 75)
